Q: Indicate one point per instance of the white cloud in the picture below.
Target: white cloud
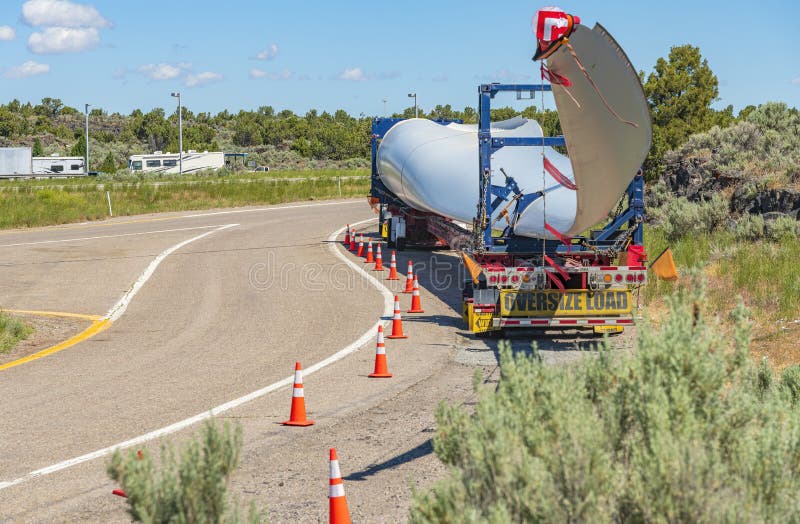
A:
(277, 75)
(796, 80)
(63, 40)
(62, 13)
(258, 73)
(269, 53)
(352, 75)
(7, 33)
(162, 71)
(29, 68)
(201, 79)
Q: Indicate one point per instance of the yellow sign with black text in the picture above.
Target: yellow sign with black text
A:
(577, 303)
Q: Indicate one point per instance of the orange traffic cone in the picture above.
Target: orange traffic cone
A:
(409, 279)
(369, 259)
(360, 252)
(338, 512)
(416, 305)
(298, 414)
(347, 236)
(352, 246)
(379, 260)
(393, 268)
(381, 368)
(397, 322)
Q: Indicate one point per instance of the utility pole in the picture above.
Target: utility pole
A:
(416, 111)
(86, 158)
(180, 133)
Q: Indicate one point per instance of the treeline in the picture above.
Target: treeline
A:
(281, 139)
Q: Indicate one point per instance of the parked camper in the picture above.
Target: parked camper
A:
(59, 165)
(160, 162)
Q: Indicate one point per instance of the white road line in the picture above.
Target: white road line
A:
(388, 308)
(119, 308)
(299, 206)
(108, 236)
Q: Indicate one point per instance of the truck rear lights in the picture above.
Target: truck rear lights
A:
(514, 278)
(629, 277)
(607, 278)
(504, 279)
(640, 278)
(618, 277)
(493, 279)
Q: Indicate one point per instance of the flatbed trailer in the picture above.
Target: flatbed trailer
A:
(519, 282)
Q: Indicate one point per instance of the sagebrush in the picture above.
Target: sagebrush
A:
(686, 429)
(188, 487)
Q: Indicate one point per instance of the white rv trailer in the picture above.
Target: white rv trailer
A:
(58, 165)
(193, 161)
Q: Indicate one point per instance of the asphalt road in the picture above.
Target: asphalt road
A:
(220, 318)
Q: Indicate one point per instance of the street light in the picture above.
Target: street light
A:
(180, 133)
(384, 108)
(86, 159)
(414, 96)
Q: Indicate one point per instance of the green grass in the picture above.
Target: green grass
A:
(11, 332)
(764, 272)
(36, 203)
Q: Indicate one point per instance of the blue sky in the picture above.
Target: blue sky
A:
(242, 54)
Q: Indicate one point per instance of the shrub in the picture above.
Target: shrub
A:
(783, 228)
(686, 429)
(189, 488)
(749, 227)
(682, 217)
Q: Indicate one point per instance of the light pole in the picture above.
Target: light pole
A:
(414, 96)
(86, 159)
(384, 108)
(180, 133)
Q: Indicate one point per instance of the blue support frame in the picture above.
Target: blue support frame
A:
(488, 146)
(492, 196)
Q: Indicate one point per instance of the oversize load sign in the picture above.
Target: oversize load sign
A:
(568, 304)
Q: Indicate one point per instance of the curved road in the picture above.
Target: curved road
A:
(221, 317)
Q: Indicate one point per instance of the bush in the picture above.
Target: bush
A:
(749, 227)
(682, 217)
(190, 488)
(686, 429)
(783, 228)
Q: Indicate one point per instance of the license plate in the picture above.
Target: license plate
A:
(580, 303)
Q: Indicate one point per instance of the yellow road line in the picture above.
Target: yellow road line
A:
(98, 326)
(52, 314)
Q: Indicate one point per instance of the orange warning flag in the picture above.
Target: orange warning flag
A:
(664, 266)
(472, 266)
